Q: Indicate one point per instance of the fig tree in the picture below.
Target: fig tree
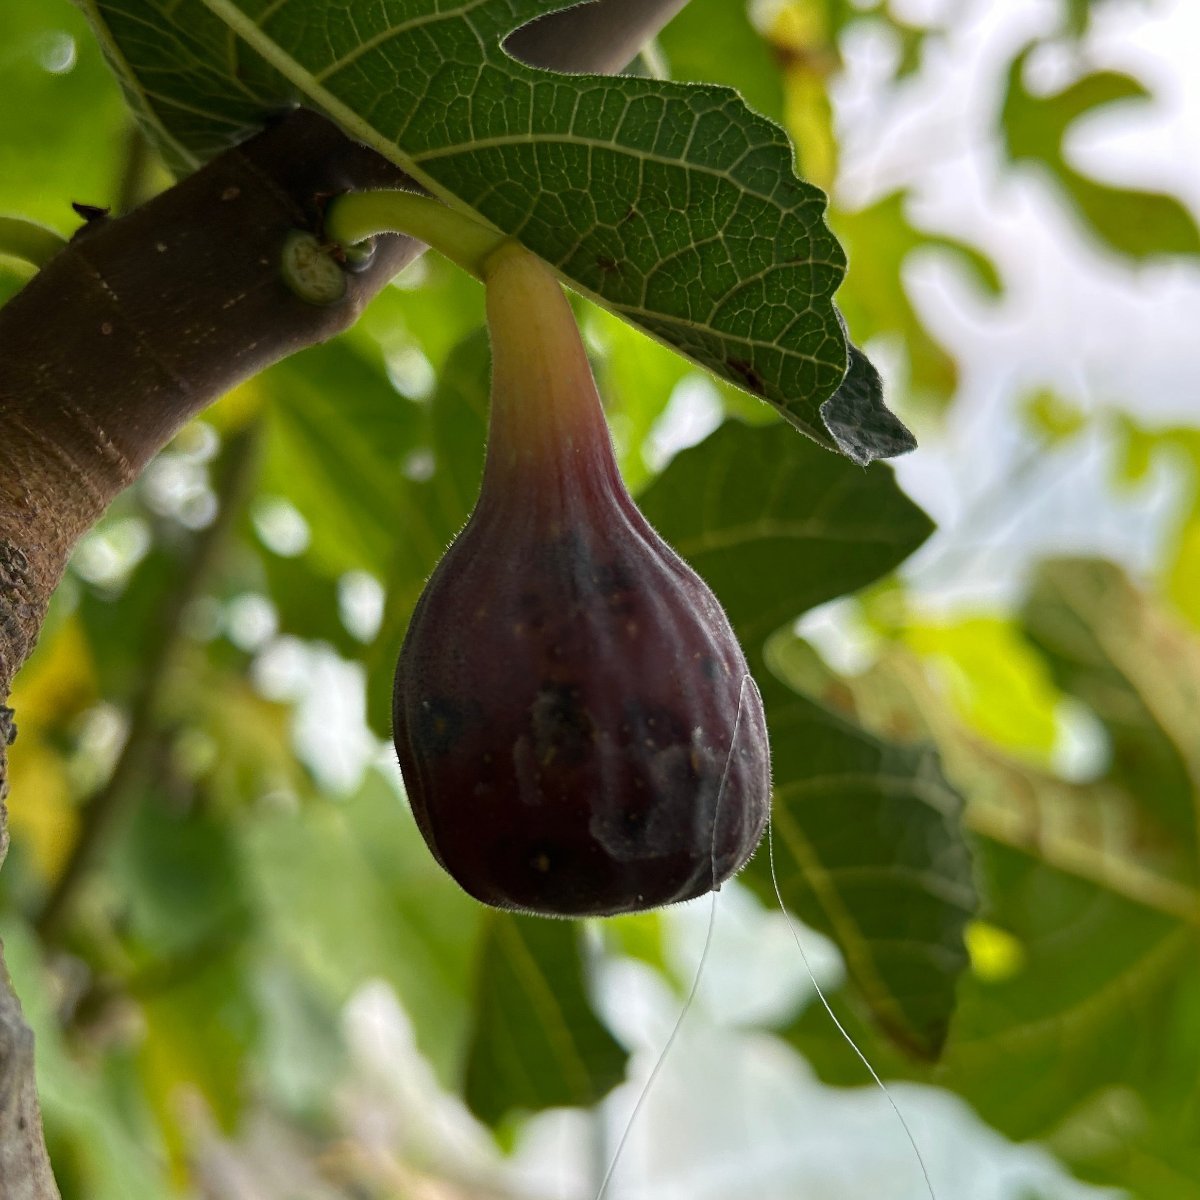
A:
(574, 717)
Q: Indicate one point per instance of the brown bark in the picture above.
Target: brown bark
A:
(144, 320)
(138, 325)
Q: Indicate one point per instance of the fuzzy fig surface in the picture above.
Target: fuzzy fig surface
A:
(574, 717)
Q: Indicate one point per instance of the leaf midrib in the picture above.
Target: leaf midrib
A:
(302, 79)
(541, 997)
(1081, 861)
(855, 945)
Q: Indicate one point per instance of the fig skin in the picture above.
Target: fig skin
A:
(575, 721)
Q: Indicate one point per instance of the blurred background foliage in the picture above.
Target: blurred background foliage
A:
(247, 976)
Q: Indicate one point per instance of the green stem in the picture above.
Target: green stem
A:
(357, 216)
(29, 241)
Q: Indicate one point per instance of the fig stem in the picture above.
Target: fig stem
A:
(28, 241)
(545, 407)
(356, 216)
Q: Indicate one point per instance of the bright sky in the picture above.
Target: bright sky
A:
(1074, 318)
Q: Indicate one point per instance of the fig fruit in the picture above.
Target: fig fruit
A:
(574, 718)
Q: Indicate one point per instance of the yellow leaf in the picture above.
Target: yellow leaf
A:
(41, 816)
(1183, 574)
(995, 955)
(997, 683)
(58, 681)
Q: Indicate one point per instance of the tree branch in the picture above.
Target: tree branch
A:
(598, 38)
(139, 324)
(143, 321)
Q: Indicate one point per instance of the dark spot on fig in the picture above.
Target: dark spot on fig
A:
(616, 586)
(440, 724)
(654, 725)
(569, 560)
(710, 667)
(750, 378)
(561, 726)
(532, 607)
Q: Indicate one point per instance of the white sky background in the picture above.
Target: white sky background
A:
(735, 1114)
(1103, 333)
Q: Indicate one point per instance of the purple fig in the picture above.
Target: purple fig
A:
(574, 718)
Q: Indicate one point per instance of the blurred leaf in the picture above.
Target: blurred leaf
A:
(202, 1027)
(52, 689)
(748, 505)
(67, 141)
(999, 684)
(103, 1147)
(803, 39)
(1137, 224)
(338, 435)
(1054, 417)
(912, 47)
(13, 277)
(1141, 450)
(1078, 13)
(431, 306)
(536, 1042)
(57, 680)
(181, 879)
(42, 817)
(299, 1056)
(1138, 671)
(1183, 573)
(228, 739)
(350, 893)
(874, 300)
(307, 601)
(868, 847)
(639, 936)
(1099, 1001)
(116, 623)
(620, 183)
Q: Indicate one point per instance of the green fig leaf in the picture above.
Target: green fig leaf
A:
(1084, 966)
(536, 1043)
(672, 204)
(1138, 670)
(749, 505)
(868, 847)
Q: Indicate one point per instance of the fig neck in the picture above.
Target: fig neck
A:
(548, 437)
